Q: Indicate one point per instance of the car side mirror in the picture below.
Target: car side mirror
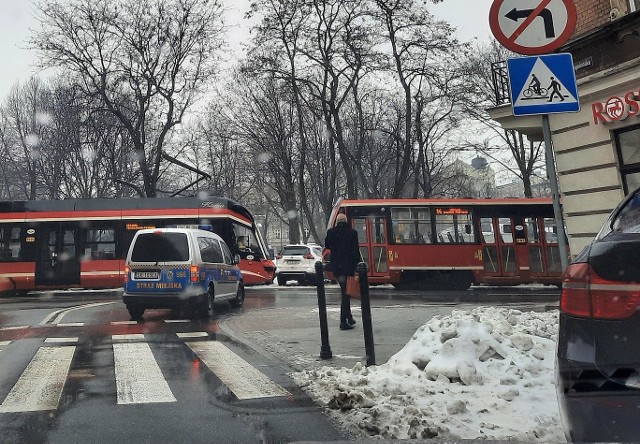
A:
(236, 259)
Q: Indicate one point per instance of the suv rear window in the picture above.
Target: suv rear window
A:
(161, 247)
(294, 251)
(628, 220)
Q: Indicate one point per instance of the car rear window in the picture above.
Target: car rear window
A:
(628, 219)
(294, 251)
(161, 247)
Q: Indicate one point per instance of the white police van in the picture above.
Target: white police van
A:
(180, 267)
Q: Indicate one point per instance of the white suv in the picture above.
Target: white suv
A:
(297, 262)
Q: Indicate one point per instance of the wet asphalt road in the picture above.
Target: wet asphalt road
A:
(74, 369)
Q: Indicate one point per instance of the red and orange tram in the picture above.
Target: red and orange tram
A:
(82, 243)
(455, 243)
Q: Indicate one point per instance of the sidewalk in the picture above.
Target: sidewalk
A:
(292, 335)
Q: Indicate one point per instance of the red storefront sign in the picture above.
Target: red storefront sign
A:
(616, 108)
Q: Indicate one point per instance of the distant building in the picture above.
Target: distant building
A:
(476, 179)
(540, 187)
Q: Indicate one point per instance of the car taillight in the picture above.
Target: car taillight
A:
(308, 256)
(586, 294)
(195, 273)
(576, 299)
(278, 256)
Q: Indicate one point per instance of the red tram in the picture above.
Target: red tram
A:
(455, 243)
(58, 244)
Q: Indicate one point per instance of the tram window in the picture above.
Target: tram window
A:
(553, 260)
(100, 244)
(411, 225)
(360, 225)
(454, 228)
(380, 259)
(423, 226)
(486, 225)
(490, 258)
(9, 244)
(550, 230)
(509, 259)
(378, 231)
(506, 232)
(533, 231)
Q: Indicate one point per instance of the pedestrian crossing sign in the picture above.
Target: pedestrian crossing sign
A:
(543, 84)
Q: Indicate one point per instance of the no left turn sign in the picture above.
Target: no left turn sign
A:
(532, 27)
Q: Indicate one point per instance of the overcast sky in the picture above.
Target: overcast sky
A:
(469, 16)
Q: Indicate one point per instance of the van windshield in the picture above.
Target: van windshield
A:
(160, 247)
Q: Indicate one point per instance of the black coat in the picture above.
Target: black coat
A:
(342, 240)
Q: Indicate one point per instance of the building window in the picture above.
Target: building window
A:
(628, 146)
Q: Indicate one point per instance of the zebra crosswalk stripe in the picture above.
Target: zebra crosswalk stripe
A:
(244, 380)
(40, 385)
(139, 379)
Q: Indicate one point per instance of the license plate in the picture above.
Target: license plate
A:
(146, 275)
(293, 262)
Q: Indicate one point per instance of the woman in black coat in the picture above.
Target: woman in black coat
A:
(342, 241)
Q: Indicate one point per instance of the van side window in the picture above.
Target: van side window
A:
(228, 258)
(210, 250)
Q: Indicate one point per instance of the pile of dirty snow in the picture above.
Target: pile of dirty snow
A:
(480, 374)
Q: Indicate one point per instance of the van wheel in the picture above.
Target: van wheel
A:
(239, 299)
(208, 309)
(282, 281)
(135, 311)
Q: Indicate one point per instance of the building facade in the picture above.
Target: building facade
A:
(597, 150)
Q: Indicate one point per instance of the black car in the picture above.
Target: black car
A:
(598, 356)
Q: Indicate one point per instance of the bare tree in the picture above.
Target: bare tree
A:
(420, 48)
(523, 156)
(145, 61)
(24, 131)
(266, 122)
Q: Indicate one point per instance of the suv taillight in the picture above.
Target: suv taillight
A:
(586, 294)
(195, 273)
(126, 274)
(308, 256)
(278, 256)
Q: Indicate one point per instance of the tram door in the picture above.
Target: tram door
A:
(499, 251)
(57, 255)
(542, 241)
(372, 237)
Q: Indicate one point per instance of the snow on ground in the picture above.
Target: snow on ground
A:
(480, 374)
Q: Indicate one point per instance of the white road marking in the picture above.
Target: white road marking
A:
(3, 343)
(138, 376)
(193, 334)
(245, 381)
(61, 340)
(124, 322)
(177, 321)
(40, 385)
(59, 314)
(71, 324)
(131, 337)
(15, 327)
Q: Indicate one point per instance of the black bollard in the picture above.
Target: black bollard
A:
(325, 348)
(365, 305)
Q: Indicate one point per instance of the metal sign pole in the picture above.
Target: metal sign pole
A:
(555, 192)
